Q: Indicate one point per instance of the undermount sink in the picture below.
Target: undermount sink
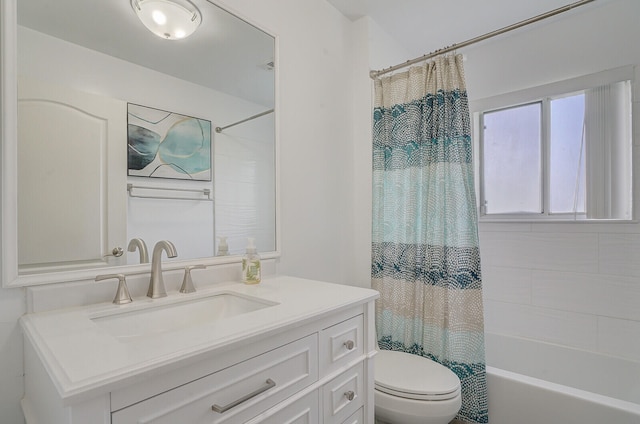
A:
(131, 325)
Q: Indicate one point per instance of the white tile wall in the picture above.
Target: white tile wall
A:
(522, 227)
(576, 285)
(507, 284)
(549, 325)
(619, 337)
(595, 294)
(620, 254)
(568, 251)
(572, 284)
(584, 227)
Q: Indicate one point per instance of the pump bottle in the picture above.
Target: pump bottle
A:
(223, 247)
(251, 269)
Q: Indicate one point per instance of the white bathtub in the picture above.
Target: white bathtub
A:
(532, 382)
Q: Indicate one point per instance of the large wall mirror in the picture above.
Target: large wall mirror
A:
(102, 120)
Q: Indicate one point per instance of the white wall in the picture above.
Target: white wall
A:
(12, 306)
(316, 95)
(316, 157)
(373, 49)
(572, 284)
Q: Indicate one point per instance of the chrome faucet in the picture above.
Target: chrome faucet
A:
(156, 283)
(142, 249)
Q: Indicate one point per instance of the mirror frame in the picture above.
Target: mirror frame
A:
(9, 170)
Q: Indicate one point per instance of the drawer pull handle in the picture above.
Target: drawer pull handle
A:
(349, 344)
(220, 409)
(350, 395)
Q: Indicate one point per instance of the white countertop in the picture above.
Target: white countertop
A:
(81, 357)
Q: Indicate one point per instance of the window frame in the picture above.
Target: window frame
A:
(542, 159)
(544, 95)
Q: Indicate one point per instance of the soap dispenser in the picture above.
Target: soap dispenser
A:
(251, 269)
(223, 247)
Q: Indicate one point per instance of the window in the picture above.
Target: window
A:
(564, 155)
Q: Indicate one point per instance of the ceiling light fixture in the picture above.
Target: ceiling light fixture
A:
(168, 19)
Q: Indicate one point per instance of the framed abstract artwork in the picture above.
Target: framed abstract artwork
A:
(163, 144)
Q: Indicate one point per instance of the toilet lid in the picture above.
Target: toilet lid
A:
(414, 377)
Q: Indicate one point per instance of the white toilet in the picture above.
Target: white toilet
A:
(411, 389)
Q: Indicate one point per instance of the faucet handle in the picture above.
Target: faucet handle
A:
(187, 282)
(122, 294)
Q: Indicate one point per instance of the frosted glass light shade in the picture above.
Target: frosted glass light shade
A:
(168, 19)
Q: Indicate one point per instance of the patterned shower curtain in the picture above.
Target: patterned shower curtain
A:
(426, 261)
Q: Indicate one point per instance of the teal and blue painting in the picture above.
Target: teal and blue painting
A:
(163, 144)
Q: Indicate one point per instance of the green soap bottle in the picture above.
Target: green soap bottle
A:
(251, 269)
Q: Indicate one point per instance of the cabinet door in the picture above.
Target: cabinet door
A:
(235, 394)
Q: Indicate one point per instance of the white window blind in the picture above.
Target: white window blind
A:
(608, 151)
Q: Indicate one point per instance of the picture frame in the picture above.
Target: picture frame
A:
(163, 144)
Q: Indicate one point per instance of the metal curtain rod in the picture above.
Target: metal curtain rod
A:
(375, 74)
(266, 112)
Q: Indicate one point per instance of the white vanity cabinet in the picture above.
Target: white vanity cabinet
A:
(235, 394)
(315, 368)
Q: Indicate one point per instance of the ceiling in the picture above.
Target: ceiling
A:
(422, 26)
(225, 53)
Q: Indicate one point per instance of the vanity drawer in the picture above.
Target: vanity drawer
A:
(235, 394)
(303, 411)
(340, 344)
(343, 395)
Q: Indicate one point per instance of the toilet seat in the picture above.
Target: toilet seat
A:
(414, 377)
